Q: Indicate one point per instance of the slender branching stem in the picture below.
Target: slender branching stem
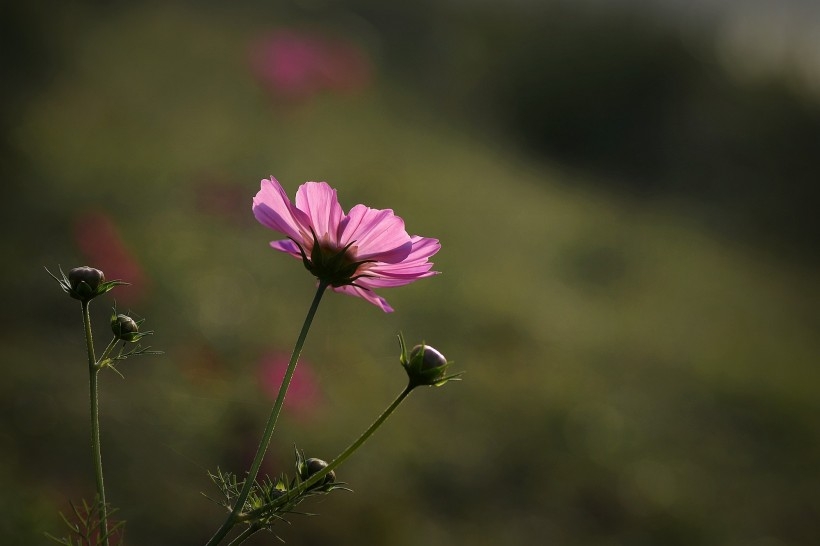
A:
(231, 520)
(99, 363)
(95, 425)
(245, 535)
(342, 457)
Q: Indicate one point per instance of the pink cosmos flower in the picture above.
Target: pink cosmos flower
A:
(304, 393)
(352, 253)
(100, 241)
(297, 65)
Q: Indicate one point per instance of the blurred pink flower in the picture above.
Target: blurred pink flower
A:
(99, 240)
(303, 393)
(218, 196)
(353, 253)
(298, 65)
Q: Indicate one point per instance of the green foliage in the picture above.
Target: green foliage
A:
(84, 526)
(270, 500)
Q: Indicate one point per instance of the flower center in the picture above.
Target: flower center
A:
(333, 266)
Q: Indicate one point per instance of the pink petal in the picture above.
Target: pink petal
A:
(273, 209)
(402, 270)
(286, 245)
(377, 235)
(390, 282)
(415, 266)
(378, 301)
(423, 247)
(417, 260)
(320, 203)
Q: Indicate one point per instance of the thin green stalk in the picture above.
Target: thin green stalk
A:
(359, 441)
(319, 476)
(106, 352)
(245, 535)
(95, 424)
(231, 520)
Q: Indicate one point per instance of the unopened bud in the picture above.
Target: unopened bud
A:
(125, 328)
(424, 365)
(84, 283)
(313, 466)
(430, 357)
(85, 280)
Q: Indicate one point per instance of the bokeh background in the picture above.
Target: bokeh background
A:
(626, 193)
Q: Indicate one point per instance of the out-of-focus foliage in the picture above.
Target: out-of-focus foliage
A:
(634, 376)
(647, 106)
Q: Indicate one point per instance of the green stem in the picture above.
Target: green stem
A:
(245, 535)
(359, 441)
(95, 424)
(319, 476)
(231, 520)
(106, 352)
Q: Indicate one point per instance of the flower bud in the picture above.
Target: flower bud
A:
(314, 465)
(125, 328)
(430, 357)
(84, 283)
(424, 365)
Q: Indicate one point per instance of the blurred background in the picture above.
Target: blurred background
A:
(626, 194)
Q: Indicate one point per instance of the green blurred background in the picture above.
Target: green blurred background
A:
(626, 195)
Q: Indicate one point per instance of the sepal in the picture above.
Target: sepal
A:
(334, 268)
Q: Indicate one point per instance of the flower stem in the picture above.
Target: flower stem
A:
(245, 535)
(360, 440)
(98, 365)
(319, 476)
(231, 520)
(95, 425)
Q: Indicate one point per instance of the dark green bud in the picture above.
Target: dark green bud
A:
(84, 283)
(313, 465)
(125, 328)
